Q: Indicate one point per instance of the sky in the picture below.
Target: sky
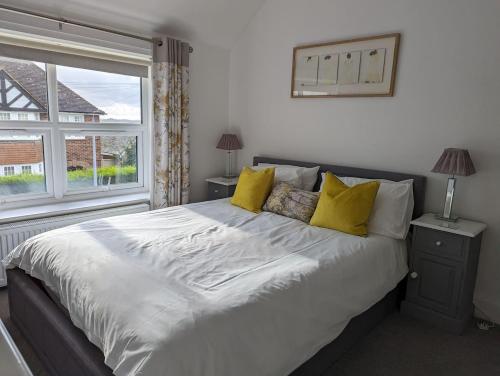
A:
(117, 95)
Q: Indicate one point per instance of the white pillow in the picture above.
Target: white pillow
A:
(393, 207)
(286, 175)
(307, 175)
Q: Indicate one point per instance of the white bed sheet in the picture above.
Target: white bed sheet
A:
(210, 289)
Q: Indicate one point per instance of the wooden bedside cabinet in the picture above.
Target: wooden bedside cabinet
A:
(443, 267)
(221, 187)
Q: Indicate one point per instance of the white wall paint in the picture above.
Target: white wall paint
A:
(447, 94)
(209, 87)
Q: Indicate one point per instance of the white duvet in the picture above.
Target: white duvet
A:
(210, 289)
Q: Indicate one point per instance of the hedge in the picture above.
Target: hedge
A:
(21, 179)
(104, 172)
(24, 183)
(105, 176)
(32, 183)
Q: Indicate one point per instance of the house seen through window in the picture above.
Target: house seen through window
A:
(99, 150)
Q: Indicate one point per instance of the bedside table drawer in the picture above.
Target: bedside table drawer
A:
(217, 191)
(439, 243)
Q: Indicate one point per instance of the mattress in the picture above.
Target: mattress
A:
(209, 288)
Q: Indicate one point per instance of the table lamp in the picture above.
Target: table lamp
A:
(453, 162)
(229, 142)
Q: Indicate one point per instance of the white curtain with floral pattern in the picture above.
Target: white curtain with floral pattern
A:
(171, 120)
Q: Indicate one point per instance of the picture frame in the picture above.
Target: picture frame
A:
(360, 67)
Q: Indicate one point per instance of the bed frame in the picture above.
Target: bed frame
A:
(64, 350)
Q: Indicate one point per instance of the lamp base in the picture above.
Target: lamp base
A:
(450, 192)
(229, 176)
(453, 218)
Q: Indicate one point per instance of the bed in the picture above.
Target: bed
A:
(204, 289)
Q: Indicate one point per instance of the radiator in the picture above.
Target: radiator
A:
(13, 234)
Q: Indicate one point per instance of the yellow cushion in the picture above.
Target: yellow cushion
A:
(253, 188)
(345, 208)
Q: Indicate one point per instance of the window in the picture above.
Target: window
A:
(105, 97)
(100, 162)
(16, 151)
(24, 90)
(75, 118)
(88, 143)
(26, 116)
(8, 170)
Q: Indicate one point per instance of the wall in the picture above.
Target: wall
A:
(20, 152)
(447, 94)
(209, 87)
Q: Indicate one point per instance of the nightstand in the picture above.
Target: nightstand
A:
(221, 187)
(443, 267)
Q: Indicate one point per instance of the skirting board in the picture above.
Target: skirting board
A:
(490, 310)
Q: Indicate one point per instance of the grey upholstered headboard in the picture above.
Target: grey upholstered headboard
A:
(418, 180)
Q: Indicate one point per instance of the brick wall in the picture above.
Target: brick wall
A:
(79, 153)
(20, 152)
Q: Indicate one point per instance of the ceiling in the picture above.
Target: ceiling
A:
(214, 22)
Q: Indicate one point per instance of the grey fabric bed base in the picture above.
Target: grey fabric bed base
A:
(64, 350)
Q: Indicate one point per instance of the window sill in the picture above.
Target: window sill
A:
(43, 211)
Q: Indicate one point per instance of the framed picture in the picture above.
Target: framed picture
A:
(362, 67)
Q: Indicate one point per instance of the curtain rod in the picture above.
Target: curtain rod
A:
(62, 20)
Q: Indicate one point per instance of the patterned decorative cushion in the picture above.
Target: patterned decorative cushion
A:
(292, 202)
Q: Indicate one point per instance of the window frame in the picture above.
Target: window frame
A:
(26, 169)
(116, 187)
(9, 170)
(49, 187)
(53, 132)
(5, 113)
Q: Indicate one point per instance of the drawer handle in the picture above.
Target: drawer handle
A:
(414, 275)
(439, 243)
(216, 190)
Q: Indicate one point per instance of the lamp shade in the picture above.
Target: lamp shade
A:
(455, 162)
(229, 142)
